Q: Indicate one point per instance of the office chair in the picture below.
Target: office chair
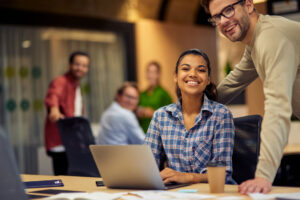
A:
(76, 136)
(288, 173)
(11, 187)
(246, 147)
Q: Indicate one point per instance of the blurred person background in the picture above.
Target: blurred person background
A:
(154, 97)
(64, 99)
(118, 124)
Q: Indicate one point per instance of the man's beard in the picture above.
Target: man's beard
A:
(243, 25)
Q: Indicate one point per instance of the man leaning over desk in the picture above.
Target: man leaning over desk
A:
(273, 54)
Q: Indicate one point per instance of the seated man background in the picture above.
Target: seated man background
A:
(118, 124)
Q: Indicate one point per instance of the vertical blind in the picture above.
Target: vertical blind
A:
(30, 57)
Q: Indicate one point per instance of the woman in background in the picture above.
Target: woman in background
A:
(152, 98)
(186, 135)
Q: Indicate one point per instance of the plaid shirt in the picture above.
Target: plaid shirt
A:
(210, 139)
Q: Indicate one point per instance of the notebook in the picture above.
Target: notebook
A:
(129, 167)
(44, 183)
(11, 187)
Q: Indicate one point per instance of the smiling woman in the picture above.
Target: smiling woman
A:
(195, 130)
(194, 57)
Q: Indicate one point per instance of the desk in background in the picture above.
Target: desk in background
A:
(87, 184)
(291, 149)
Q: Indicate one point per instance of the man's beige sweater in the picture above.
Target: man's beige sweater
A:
(274, 56)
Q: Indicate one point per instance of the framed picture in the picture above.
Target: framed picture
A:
(283, 7)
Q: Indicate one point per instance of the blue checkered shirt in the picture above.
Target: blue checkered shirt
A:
(210, 139)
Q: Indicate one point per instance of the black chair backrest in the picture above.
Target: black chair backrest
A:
(76, 136)
(11, 187)
(246, 147)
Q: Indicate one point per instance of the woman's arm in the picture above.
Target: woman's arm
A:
(153, 139)
(170, 175)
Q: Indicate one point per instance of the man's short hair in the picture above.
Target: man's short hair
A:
(205, 5)
(77, 53)
(121, 89)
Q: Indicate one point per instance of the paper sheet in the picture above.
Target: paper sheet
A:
(165, 195)
(138, 195)
(231, 198)
(290, 196)
(86, 196)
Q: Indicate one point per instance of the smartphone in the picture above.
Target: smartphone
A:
(99, 183)
(44, 183)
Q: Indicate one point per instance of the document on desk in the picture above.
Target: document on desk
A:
(138, 195)
(86, 196)
(165, 195)
(286, 196)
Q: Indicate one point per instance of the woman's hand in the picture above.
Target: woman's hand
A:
(170, 175)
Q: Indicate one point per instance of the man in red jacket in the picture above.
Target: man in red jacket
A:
(64, 99)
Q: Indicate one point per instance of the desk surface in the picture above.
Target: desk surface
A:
(292, 149)
(87, 184)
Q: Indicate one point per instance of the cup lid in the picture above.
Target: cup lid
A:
(216, 164)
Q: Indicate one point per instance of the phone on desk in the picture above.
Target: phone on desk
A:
(44, 183)
(99, 183)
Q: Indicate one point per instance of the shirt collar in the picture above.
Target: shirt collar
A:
(176, 111)
(73, 81)
(117, 105)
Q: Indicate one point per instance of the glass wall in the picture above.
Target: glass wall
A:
(30, 57)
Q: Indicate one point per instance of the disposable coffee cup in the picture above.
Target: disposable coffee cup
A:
(216, 172)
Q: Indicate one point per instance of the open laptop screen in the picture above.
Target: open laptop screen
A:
(128, 167)
(11, 187)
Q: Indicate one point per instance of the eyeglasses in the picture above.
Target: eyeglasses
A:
(131, 97)
(227, 12)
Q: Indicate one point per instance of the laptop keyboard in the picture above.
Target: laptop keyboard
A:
(172, 185)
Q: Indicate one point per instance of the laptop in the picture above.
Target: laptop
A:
(129, 167)
(11, 187)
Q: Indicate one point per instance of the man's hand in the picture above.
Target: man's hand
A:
(148, 112)
(144, 112)
(170, 175)
(55, 114)
(255, 185)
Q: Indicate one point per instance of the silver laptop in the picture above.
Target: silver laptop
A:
(129, 167)
(11, 187)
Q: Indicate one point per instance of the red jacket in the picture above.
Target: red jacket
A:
(61, 93)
